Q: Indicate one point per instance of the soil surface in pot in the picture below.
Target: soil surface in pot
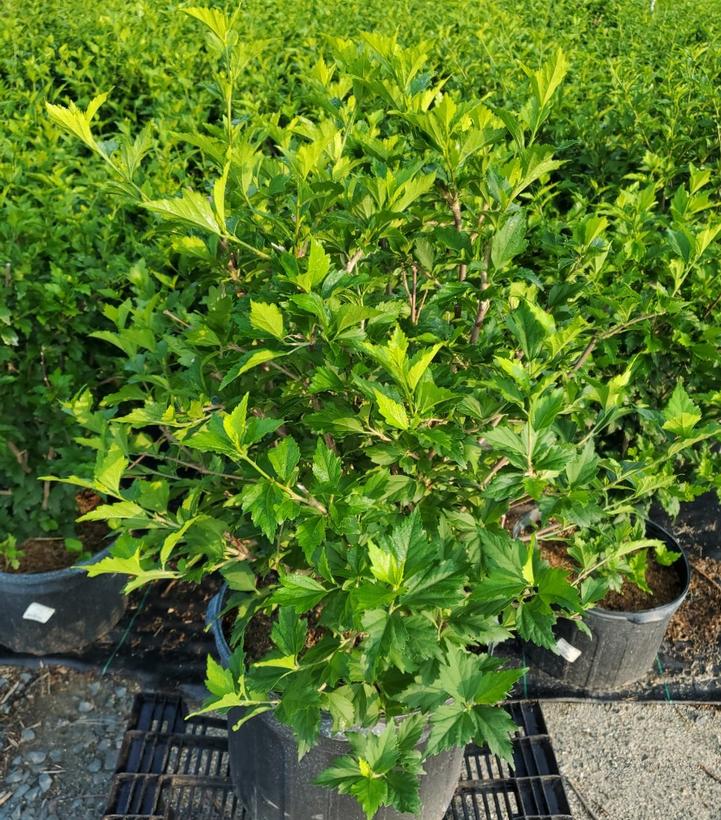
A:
(665, 583)
(50, 554)
(257, 638)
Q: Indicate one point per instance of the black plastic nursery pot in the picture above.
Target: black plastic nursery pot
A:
(46, 613)
(272, 784)
(622, 647)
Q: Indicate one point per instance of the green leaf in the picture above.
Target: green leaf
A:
(386, 642)
(439, 587)
(234, 423)
(546, 79)
(248, 362)
(267, 318)
(284, 457)
(545, 409)
(289, 632)
(239, 576)
(531, 326)
(452, 727)
(109, 469)
(494, 728)
(393, 412)
(219, 195)
(262, 500)
(299, 708)
(310, 534)
(300, 592)
(172, 540)
(420, 363)
(213, 439)
(218, 679)
(509, 241)
(214, 19)
(341, 709)
(326, 466)
(191, 208)
(681, 413)
(318, 264)
(77, 122)
(385, 565)
(534, 622)
(121, 510)
(404, 791)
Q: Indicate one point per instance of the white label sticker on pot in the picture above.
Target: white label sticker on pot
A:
(566, 651)
(38, 612)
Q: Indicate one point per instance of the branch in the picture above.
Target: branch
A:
(483, 304)
(353, 261)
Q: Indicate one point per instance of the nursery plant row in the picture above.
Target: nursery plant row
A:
(397, 335)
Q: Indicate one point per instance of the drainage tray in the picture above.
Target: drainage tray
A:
(174, 768)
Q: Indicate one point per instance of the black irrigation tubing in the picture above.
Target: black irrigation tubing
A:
(127, 631)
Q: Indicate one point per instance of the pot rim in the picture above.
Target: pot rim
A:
(28, 579)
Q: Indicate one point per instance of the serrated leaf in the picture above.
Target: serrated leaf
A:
(438, 587)
(310, 535)
(452, 727)
(509, 240)
(302, 592)
(546, 408)
(109, 469)
(534, 622)
(191, 208)
(494, 728)
(218, 679)
(420, 363)
(318, 263)
(239, 576)
(262, 500)
(214, 19)
(267, 317)
(393, 412)
(326, 466)
(77, 122)
(681, 413)
(121, 510)
(248, 362)
(289, 632)
(341, 709)
(386, 641)
(284, 457)
(234, 423)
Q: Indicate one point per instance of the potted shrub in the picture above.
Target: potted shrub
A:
(344, 414)
(49, 604)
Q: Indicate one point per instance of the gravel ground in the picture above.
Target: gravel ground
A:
(633, 761)
(60, 732)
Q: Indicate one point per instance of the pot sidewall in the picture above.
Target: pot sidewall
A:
(63, 611)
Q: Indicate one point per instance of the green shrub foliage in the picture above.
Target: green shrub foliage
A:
(382, 339)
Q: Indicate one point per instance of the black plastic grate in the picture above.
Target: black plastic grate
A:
(176, 768)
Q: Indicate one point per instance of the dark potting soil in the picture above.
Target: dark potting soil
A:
(257, 641)
(50, 554)
(666, 583)
(697, 622)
